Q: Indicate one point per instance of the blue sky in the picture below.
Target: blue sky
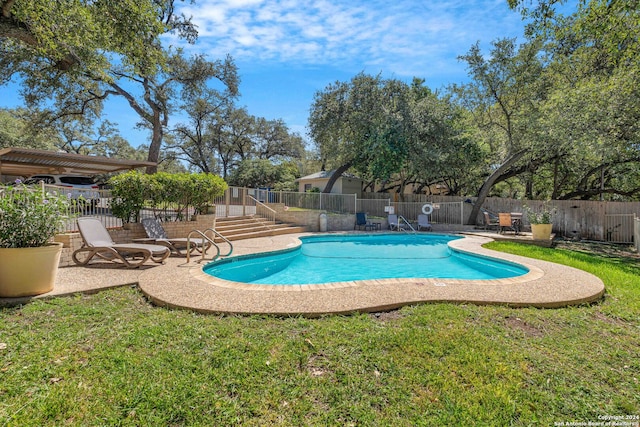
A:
(286, 50)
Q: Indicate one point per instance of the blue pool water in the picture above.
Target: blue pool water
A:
(339, 258)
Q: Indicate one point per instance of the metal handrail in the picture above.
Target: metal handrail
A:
(401, 218)
(204, 247)
(272, 212)
(227, 241)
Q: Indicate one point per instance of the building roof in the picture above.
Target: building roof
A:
(326, 175)
(26, 161)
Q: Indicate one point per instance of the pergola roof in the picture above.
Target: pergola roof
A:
(26, 162)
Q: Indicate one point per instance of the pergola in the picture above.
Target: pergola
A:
(26, 162)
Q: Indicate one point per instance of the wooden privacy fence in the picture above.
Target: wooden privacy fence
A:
(578, 219)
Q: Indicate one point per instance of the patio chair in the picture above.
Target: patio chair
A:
(393, 223)
(423, 222)
(98, 243)
(363, 223)
(490, 223)
(506, 223)
(157, 235)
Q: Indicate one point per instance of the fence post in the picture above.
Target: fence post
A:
(355, 203)
(244, 201)
(636, 232)
(461, 212)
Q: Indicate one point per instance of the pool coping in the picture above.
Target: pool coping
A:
(181, 285)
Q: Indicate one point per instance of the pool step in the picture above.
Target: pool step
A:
(248, 227)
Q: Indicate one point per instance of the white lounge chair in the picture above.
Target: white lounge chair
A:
(97, 242)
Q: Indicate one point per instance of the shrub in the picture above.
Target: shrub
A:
(129, 192)
(133, 190)
(30, 217)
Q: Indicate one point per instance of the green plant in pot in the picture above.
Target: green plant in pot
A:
(29, 219)
(541, 221)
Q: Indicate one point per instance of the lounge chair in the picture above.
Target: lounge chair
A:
(393, 223)
(157, 235)
(98, 242)
(490, 223)
(363, 223)
(423, 223)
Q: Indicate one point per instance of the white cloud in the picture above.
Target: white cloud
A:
(400, 37)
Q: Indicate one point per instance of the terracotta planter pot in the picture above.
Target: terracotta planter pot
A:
(28, 271)
(541, 231)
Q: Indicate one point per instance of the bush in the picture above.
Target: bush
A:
(129, 192)
(132, 191)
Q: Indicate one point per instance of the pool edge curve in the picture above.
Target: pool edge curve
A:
(545, 285)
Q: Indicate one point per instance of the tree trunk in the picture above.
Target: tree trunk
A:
(337, 174)
(154, 148)
(488, 184)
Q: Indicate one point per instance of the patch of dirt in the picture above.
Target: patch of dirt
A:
(385, 316)
(520, 325)
(606, 319)
(316, 365)
(599, 248)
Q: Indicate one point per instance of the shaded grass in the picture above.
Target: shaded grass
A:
(114, 359)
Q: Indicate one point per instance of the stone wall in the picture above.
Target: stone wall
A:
(73, 241)
(311, 219)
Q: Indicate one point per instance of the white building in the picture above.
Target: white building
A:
(346, 184)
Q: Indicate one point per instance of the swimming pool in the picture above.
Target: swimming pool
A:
(341, 258)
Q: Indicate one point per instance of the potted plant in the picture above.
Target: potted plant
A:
(29, 218)
(541, 221)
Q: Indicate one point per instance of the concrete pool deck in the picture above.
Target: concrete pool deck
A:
(177, 284)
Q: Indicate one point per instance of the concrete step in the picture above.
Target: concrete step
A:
(237, 228)
(263, 233)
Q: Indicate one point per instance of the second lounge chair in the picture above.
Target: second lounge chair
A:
(158, 235)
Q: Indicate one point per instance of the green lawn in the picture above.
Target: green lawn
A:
(114, 359)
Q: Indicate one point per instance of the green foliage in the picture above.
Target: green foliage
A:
(129, 192)
(29, 217)
(386, 130)
(204, 188)
(101, 49)
(364, 124)
(258, 173)
(540, 216)
(133, 191)
(219, 136)
(17, 130)
(80, 36)
(582, 132)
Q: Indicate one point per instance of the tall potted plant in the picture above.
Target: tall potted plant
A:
(29, 218)
(541, 222)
